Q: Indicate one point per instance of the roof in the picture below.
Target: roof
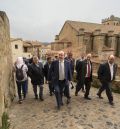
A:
(91, 27)
(31, 44)
(61, 42)
(15, 39)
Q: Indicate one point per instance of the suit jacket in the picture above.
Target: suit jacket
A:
(81, 70)
(54, 71)
(77, 62)
(72, 64)
(104, 72)
(36, 74)
(46, 70)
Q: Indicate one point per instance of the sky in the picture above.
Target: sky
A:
(43, 19)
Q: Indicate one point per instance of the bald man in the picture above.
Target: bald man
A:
(60, 75)
(106, 74)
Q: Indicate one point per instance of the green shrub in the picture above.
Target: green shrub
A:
(5, 123)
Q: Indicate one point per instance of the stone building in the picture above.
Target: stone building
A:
(112, 20)
(58, 45)
(90, 37)
(17, 46)
(7, 88)
(24, 48)
(45, 49)
(33, 47)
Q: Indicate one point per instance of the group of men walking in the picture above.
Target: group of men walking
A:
(59, 74)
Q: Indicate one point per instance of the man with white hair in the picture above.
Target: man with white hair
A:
(106, 74)
(84, 76)
(60, 75)
(36, 73)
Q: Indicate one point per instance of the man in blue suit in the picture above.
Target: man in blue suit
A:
(60, 75)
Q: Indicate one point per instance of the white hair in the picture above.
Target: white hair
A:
(61, 52)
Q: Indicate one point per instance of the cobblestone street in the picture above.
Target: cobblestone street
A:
(79, 114)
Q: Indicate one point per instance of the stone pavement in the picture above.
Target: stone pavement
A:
(79, 114)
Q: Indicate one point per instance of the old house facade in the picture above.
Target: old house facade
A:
(24, 48)
(33, 47)
(90, 37)
(17, 47)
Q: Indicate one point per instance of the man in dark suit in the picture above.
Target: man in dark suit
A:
(70, 59)
(46, 71)
(84, 76)
(76, 66)
(106, 74)
(80, 59)
(60, 75)
(36, 73)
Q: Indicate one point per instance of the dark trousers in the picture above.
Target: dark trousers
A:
(87, 86)
(21, 87)
(26, 86)
(40, 90)
(67, 91)
(59, 88)
(106, 86)
(80, 85)
(83, 88)
(51, 88)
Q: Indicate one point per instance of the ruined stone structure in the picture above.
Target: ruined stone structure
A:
(7, 89)
(112, 20)
(24, 48)
(91, 37)
(60, 44)
(18, 49)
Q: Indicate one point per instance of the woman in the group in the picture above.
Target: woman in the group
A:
(21, 69)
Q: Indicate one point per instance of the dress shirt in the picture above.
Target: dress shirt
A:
(61, 70)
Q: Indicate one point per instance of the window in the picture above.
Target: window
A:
(16, 46)
(25, 49)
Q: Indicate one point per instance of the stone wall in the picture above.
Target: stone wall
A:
(70, 34)
(7, 88)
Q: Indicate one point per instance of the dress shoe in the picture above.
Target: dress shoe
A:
(76, 94)
(51, 94)
(20, 101)
(88, 98)
(36, 96)
(100, 97)
(111, 103)
(41, 98)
